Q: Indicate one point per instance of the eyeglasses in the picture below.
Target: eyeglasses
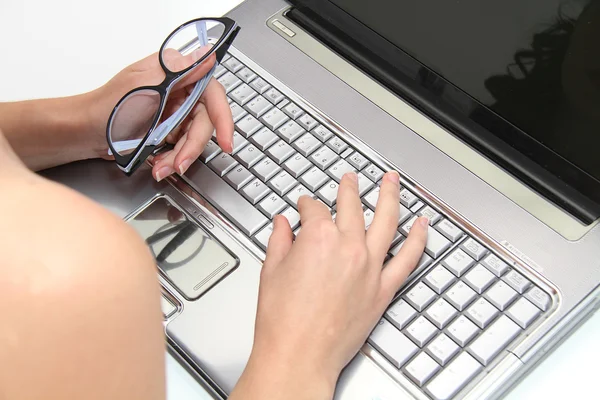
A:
(135, 130)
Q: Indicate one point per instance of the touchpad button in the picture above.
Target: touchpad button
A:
(188, 256)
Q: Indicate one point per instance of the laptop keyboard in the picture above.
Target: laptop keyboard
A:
(445, 327)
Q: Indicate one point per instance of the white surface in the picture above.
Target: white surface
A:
(63, 47)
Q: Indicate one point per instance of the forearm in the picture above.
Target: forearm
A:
(269, 378)
(50, 132)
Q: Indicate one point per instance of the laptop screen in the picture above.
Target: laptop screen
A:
(534, 65)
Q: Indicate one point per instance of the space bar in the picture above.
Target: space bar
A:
(222, 196)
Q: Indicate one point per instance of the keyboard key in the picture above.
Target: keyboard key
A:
(248, 126)
(523, 312)
(233, 64)
(368, 216)
(458, 262)
(494, 339)
(260, 85)
(314, 178)
(294, 195)
(229, 81)
(439, 279)
(474, 249)
(440, 313)
(297, 165)
(274, 118)
(292, 216)
(246, 75)
(501, 295)
(322, 133)
(238, 142)
(336, 144)
(462, 330)
(482, 313)
(495, 265)
(242, 94)
(249, 156)
(392, 343)
(420, 296)
(373, 173)
(421, 331)
(516, 281)
(328, 193)
(460, 295)
(307, 144)
(442, 349)
(400, 314)
(431, 214)
(436, 243)
(238, 177)
(258, 106)
(280, 151)
(358, 161)
(282, 183)
(338, 169)
(479, 278)
(417, 206)
(453, 378)
(220, 71)
(229, 202)
(237, 111)
(265, 169)
(407, 198)
(274, 96)
(307, 122)
(262, 237)
(290, 131)
(167, 307)
(222, 164)
(421, 369)
(211, 150)
(264, 138)
(255, 191)
(364, 185)
(271, 205)
(538, 297)
(449, 230)
(293, 111)
(324, 157)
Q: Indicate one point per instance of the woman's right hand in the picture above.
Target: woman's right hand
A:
(321, 295)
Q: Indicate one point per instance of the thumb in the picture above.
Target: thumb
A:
(280, 242)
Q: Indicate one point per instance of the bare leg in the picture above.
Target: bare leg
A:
(79, 296)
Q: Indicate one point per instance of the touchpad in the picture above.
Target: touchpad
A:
(187, 255)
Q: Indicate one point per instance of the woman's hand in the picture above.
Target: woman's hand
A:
(212, 111)
(321, 296)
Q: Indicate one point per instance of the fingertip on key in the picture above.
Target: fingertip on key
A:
(393, 177)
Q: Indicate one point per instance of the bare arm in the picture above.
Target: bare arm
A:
(79, 299)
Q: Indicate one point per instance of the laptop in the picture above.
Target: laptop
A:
(489, 111)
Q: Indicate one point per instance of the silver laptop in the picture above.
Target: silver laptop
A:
(487, 111)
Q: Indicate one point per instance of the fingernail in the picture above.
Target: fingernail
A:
(393, 177)
(163, 173)
(185, 164)
(352, 176)
(424, 221)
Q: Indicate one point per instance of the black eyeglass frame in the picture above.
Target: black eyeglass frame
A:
(130, 162)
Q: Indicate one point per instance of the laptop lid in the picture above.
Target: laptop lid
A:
(517, 80)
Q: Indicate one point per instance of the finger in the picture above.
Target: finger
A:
(175, 61)
(198, 135)
(398, 269)
(382, 230)
(311, 210)
(350, 219)
(280, 242)
(166, 165)
(215, 100)
(197, 73)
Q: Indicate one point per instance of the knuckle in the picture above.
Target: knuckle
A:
(357, 253)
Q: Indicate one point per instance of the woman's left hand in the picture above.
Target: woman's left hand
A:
(211, 113)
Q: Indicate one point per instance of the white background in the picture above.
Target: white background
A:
(52, 48)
